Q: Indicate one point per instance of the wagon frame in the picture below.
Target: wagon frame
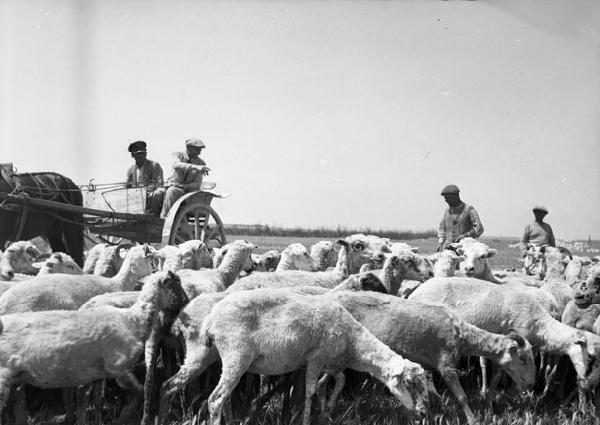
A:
(190, 217)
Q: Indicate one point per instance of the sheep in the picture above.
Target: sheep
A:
(7, 272)
(57, 349)
(399, 247)
(58, 262)
(588, 291)
(436, 338)
(496, 308)
(446, 263)
(69, 292)
(266, 262)
(581, 316)
(254, 330)
(475, 262)
(327, 279)
(92, 256)
(577, 269)
(199, 357)
(236, 257)
(195, 255)
(405, 265)
(295, 257)
(21, 256)
(553, 262)
(324, 255)
(110, 260)
(219, 253)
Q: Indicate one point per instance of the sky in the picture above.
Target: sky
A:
(319, 114)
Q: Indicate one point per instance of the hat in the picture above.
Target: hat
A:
(195, 143)
(540, 208)
(450, 189)
(136, 147)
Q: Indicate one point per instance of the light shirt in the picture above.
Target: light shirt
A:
(183, 173)
(459, 220)
(538, 234)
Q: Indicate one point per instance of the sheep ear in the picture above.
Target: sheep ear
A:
(342, 242)
(460, 258)
(491, 253)
(431, 388)
(414, 250)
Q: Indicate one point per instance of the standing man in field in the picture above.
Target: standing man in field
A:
(145, 173)
(460, 220)
(188, 172)
(539, 232)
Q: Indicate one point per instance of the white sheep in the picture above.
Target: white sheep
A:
(236, 256)
(69, 292)
(405, 265)
(7, 272)
(295, 257)
(58, 262)
(195, 255)
(219, 253)
(399, 247)
(254, 330)
(350, 253)
(446, 263)
(324, 255)
(267, 261)
(476, 255)
(436, 338)
(57, 349)
(577, 269)
(92, 256)
(110, 260)
(21, 255)
(497, 308)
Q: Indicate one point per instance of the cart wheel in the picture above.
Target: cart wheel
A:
(198, 221)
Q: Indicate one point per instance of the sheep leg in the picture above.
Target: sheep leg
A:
(97, 397)
(234, 366)
(312, 375)
(128, 381)
(321, 389)
(260, 401)
(451, 378)
(82, 397)
(5, 384)
(484, 380)
(193, 367)
(340, 380)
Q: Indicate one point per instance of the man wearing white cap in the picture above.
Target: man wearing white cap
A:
(539, 232)
(188, 171)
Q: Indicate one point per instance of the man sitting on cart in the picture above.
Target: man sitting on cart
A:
(145, 173)
(188, 172)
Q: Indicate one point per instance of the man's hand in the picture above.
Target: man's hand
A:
(459, 237)
(203, 169)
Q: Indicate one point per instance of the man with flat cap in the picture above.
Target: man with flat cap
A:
(144, 173)
(188, 172)
(539, 232)
(460, 220)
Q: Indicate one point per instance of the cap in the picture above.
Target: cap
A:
(540, 208)
(136, 147)
(450, 189)
(195, 143)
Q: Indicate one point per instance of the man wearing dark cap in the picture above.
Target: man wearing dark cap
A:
(188, 172)
(539, 232)
(460, 220)
(145, 173)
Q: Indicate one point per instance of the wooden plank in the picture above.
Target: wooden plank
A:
(121, 200)
(59, 206)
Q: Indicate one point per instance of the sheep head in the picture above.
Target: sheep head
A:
(22, 255)
(59, 262)
(6, 270)
(408, 383)
(366, 281)
(589, 290)
(414, 267)
(297, 257)
(446, 263)
(518, 360)
(475, 255)
(324, 255)
(553, 261)
(195, 255)
(362, 249)
(266, 262)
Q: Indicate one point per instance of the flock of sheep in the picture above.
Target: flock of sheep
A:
(370, 305)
